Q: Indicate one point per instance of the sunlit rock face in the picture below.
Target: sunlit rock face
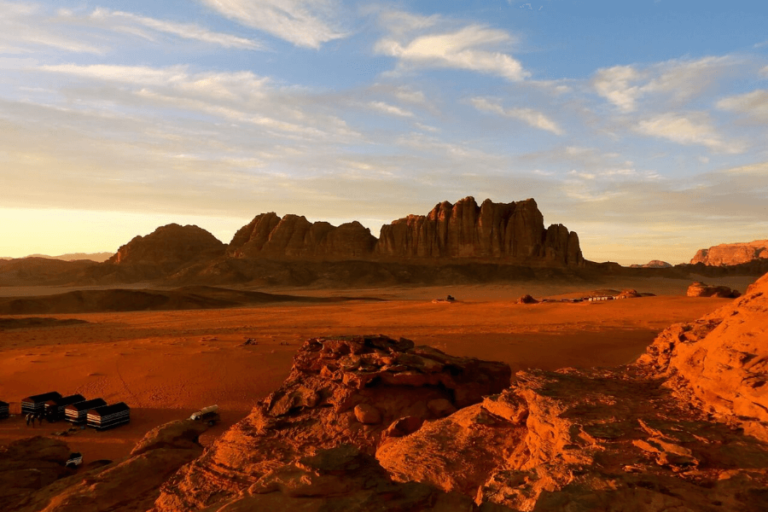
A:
(732, 254)
(293, 236)
(357, 391)
(512, 232)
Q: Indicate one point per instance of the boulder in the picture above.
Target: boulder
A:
(699, 289)
(527, 299)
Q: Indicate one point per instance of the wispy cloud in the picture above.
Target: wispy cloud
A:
(393, 110)
(753, 104)
(625, 86)
(182, 30)
(531, 117)
(690, 129)
(306, 23)
(25, 29)
(472, 48)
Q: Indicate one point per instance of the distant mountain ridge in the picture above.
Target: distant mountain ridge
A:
(732, 254)
(98, 257)
(511, 232)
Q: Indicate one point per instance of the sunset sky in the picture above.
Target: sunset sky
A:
(642, 125)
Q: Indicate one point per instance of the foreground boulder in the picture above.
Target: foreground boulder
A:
(699, 289)
(348, 390)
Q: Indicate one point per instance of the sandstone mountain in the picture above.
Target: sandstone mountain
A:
(171, 246)
(295, 237)
(732, 254)
(510, 232)
(653, 264)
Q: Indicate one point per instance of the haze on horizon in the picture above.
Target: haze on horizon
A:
(641, 125)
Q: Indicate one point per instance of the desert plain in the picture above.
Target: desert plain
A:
(167, 364)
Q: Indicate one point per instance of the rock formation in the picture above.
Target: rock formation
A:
(130, 485)
(653, 264)
(354, 391)
(509, 231)
(732, 254)
(699, 289)
(171, 246)
(295, 237)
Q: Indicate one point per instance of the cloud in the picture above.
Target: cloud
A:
(753, 104)
(183, 30)
(691, 129)
(386, 108)
(305, 23)
(24, 29)
(680, 80)
(529, 116)
(469, 48)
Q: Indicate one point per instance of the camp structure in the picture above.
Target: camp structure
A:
(54, 409)
(109, 416)
(77, 414)
(36, 404)
(4, 412)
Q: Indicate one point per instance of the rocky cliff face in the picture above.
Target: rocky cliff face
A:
(169, 245)
(732, 254)
(510, 232)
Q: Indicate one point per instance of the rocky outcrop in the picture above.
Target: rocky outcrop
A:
(732, 254)
(128, 486)
(720, 362)
(699, 289)
(653, 264)
(509, 231)
(592, 440)
(170, 245)
(352, 390)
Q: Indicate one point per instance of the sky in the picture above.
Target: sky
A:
(641, 125)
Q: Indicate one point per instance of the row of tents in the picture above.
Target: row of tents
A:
(76, 409)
